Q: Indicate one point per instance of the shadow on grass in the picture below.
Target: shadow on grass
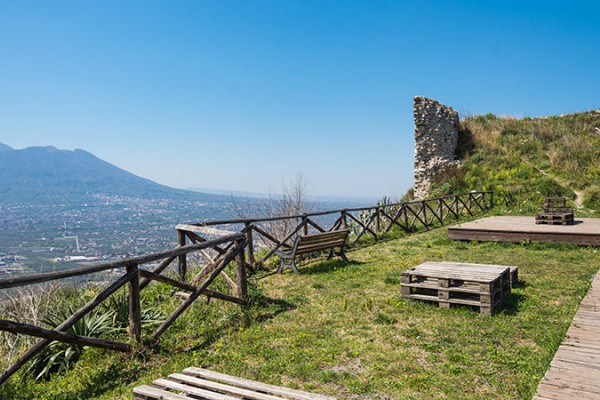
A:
(275, 307)
(328, 266)
(106, 382)
(511, 304)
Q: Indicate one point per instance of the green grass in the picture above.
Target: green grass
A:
(530, 157)
(344, 330)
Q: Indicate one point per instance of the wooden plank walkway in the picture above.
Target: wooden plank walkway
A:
(575, 370)
(584, 232)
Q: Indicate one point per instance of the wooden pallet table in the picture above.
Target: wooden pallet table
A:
(555, 212)
(514, 270)
(203, 384)
(478, 285)
(553, 218)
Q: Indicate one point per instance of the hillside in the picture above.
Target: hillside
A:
(529, 158)
(47, 174)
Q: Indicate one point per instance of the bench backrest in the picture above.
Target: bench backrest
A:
(320, 241)
(555, 202)
(556, 205)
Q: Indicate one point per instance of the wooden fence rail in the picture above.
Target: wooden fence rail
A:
(236, 248)
(230, 249)
(374, 221)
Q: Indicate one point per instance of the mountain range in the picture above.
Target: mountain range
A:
(43, 174)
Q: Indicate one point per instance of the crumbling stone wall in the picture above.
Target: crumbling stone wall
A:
(436, 137)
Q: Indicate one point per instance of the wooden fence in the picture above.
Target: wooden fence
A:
(235, 248)
(274, 233)
(221, 252)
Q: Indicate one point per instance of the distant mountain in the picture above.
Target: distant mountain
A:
(41, 174)
(4, 147)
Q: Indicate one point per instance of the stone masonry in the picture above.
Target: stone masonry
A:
(436, 137)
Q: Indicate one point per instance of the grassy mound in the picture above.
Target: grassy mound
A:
(529, 158)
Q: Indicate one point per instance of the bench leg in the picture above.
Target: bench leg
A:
(293, 267)
(341, 254)
(291, 263)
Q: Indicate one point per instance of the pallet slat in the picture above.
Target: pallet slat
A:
(446, 283)
(199, 383)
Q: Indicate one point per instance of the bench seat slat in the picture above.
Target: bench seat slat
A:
(323, 242)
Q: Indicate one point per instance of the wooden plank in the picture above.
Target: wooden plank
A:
(249, 384)
(215, 386)
(190, 390)
(146, 392)
(575, 369)
(207, 230)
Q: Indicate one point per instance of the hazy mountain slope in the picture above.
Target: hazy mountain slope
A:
(4, 147)
(38, 174)
(531, 157)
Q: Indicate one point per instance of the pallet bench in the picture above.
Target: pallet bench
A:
(479, 285)
(203, 384)
(555, 212)
(304, 244)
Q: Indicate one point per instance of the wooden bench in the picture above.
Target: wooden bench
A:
(199, 383)
(310, 243)
(555, 212)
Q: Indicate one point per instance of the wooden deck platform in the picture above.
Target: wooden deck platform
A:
(575, 370)
(584, 232)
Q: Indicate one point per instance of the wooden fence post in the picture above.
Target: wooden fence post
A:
(182, 259)
(304, 224)
(378, 219)
(242, 282)
(249, 244)
(135, 313)
(456, 204)
(344, 219)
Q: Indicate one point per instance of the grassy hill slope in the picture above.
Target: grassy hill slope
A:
(530, 158)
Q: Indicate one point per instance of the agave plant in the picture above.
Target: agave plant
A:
(57, 357)
(112, 317)
(118, 307)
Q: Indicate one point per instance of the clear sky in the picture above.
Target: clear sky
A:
(242, 95)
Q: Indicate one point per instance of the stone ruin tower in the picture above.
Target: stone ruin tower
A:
(436, 137)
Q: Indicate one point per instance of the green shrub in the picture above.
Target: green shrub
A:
(591, 198)
(550, 188)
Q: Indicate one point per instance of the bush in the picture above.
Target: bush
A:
(550, 188)
(591, 198)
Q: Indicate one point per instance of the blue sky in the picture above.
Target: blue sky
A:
(242, 95)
